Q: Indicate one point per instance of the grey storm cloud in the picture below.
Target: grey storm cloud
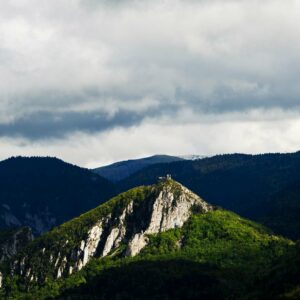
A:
(92, 66)
(43, 125)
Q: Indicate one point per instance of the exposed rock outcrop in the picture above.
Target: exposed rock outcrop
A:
(136, 244)
(91, 244)
(117, 234)
(170, 210)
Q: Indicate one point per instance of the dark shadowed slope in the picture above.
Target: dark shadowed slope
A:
(282, 280)
(13, 240)
(45, 192)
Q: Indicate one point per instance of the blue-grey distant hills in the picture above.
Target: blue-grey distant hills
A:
(120, 170)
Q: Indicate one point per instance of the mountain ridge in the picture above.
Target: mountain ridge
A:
(164, 222)
(100, 231)
(255, 186)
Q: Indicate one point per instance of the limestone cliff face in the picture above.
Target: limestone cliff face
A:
(127, 221)
(170, 209)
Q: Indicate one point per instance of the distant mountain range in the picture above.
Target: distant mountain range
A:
(44, 192)
(123, 169)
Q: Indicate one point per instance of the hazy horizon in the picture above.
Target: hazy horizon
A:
(108, 163)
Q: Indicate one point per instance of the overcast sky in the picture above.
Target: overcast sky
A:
(96, 81)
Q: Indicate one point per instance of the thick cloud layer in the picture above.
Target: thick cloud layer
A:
(83, 69)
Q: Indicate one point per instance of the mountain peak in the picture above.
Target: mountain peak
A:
(126, 220)
(172, 205)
